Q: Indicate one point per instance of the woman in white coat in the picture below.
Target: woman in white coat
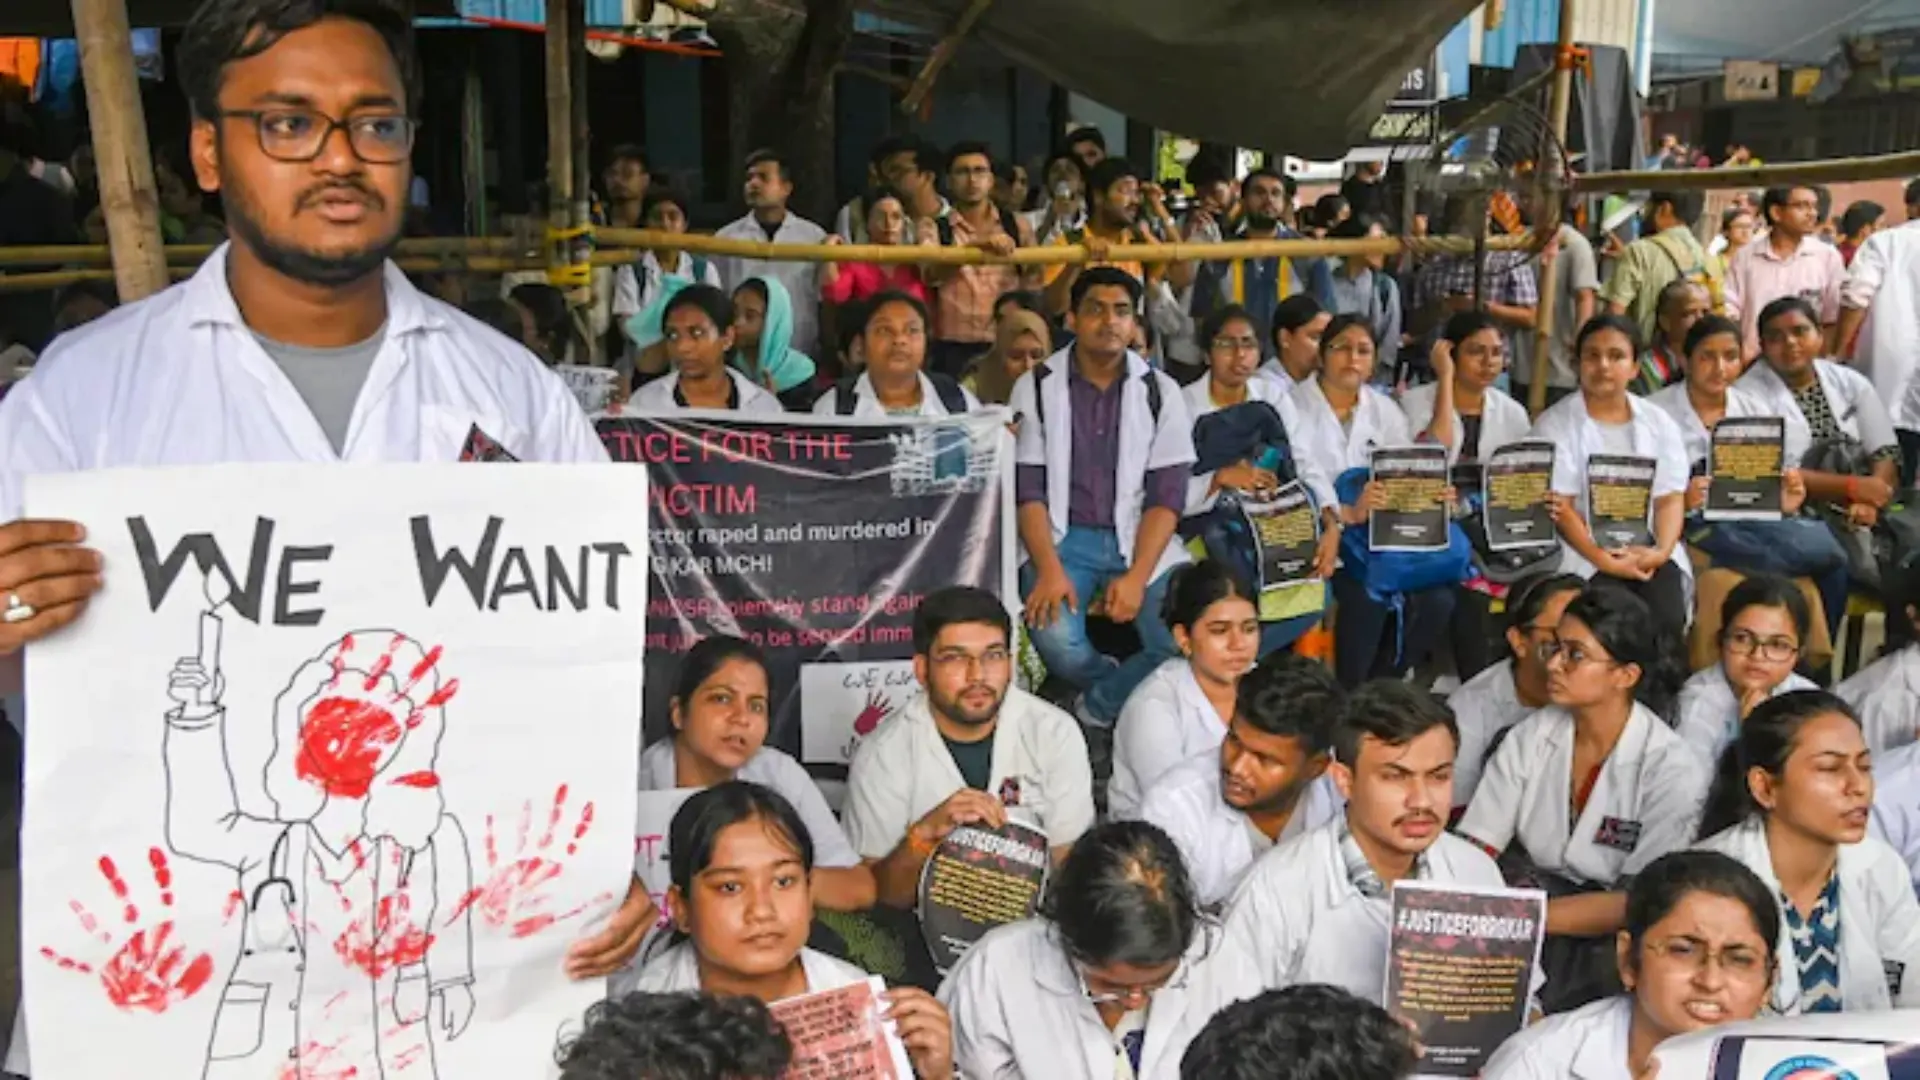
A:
(1792, 801)
(1696, 951)
(1764, 624)
(1896, 804)
(1585, 793)
(1184, 707)
(1510, 691)
(1886, 693)
(1298, 324)
(696, 329)
(1096, 988)
(1604, 420)
(1343, 420)
(1484, 419)
(719, 712)
(742, 906)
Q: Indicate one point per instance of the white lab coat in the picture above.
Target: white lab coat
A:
(1144, 446)
(1020, 1011)
(657, 396)
(1896, 804)
(677, 971)
(1218, 842)
(1856, 406)
(1484, 707)
(903, 771)
(178, 379)
(1879, 921)
(1709, 712)
(1502, 419)
(634, 287)
(1576, 437)
(866, 405)
(1298, 918)
(1886, 696)
(1589, 1043)
(775, 769)
(802, 279)
(1740, 403)
(1166, 720)
(1199, 395)
(1276, 375)
(1378, 423)
(1884, 280)
(1645, 804)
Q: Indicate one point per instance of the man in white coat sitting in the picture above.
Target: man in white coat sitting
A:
(1266, 783)
(1316, 909)
(299, 341)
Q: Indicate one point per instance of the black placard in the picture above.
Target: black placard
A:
(977, 879)
(1620, 500)
(1460, 969)
(1415, 518)
(1517, 485)
(1286, 534)
(1746, 463)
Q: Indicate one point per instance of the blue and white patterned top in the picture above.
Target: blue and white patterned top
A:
(1816, 949)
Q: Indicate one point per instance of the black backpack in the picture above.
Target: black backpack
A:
(949, 392)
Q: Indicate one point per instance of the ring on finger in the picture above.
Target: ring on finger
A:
(17, 610)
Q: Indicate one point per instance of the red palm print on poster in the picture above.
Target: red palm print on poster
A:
(356, 721)
(514, 897)
(147, 968)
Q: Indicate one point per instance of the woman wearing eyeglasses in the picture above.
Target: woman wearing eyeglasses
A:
(1096, 988)
(1696, 950)
(1586, 792)
(1792, 801)
(1854, 463)
(1764, 622)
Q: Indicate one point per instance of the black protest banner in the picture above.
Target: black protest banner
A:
(1460, 969)
(978, 879)
(816, 540)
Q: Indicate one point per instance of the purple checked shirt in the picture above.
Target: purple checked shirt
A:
(1096, 460)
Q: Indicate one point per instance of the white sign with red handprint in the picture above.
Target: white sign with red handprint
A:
(337, 767)
(843, 703)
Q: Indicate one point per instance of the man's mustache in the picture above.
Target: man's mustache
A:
(365, 194)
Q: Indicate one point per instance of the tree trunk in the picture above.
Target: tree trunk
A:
(780, 72)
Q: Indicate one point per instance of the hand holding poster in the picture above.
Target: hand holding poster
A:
(1286, 534)
(306, 794)
(977, 879)
(1517, 512)
(1415, 516)
(841, 1035)
(1746, 462)
(1460, 969)
(653, 826)
(1620, 500)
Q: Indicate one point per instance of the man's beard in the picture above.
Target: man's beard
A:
(1286, 799)
(958, 713)
(307, 267)
(1260, 222)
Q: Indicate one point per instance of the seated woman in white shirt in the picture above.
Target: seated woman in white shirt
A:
(697, 329)
(720, 714)
(1855, 461)
(1097, 987)
(1485, 418)
(742, 906)
(1583, 794)
(1605, 420)
(1764, 623)
(1299, 321)
(1792, 801)
(1184, 707)
(1696, 950)
(1885, 694)
(1343, 419)
(1511, 690)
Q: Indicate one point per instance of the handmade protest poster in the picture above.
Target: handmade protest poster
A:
(977, 879)
(846, 702)
(1620, 500)
(816, 539)
(1460, 964)
(1415, 517)
(592, 386)
(842, 1035)
(1286, 533)
(336, 767)
(1746, 463)
(652, 851)
(1516, 512)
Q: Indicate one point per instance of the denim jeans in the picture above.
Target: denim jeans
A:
(1092, 558)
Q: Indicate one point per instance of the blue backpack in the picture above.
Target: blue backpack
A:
(1391, 574)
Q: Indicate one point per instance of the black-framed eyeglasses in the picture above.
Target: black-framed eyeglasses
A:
(1747, 643)
(300, 135)
(1571, 653)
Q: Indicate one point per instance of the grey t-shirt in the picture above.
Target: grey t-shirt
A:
(329, 380)
(1574, 269)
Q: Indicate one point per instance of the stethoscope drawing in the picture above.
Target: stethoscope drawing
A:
(284, 936)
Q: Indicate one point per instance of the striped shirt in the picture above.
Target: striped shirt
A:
(1816, 949)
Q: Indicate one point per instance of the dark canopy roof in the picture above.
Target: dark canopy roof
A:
(54, 18)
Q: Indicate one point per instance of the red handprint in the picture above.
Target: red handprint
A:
(318, 1061)
(512, 898)
(387, 939)
(879, 707)
(149, 971)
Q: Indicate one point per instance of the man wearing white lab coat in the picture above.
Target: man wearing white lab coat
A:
(1264, 785)
(297, 341)
(1316, 909)
(971, 750)
(1880, 304)
(768, 221)
(1104, 452)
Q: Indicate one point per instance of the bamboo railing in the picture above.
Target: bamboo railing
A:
(1833, 171)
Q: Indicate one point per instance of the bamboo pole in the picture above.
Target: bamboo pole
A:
(560, 177)
(1559, 105)
(943, 55)
(1831, 171)
(128, 195)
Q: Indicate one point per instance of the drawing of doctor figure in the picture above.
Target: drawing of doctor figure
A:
(356, 944)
